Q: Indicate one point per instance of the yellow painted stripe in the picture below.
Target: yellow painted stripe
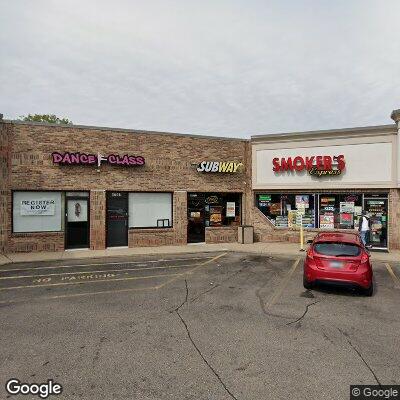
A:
(278, 292)
(86, 282)
(396, 280)
(193, 269)
(95, 272)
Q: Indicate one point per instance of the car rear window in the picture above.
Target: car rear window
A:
(337, 249)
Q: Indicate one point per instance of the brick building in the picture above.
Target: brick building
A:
(64, 187)
(52, 198)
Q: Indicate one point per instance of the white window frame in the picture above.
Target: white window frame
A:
(59, 212)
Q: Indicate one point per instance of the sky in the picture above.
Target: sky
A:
(216, 67)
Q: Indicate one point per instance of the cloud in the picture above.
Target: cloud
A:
(232, 68)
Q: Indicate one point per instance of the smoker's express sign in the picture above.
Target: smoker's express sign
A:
(93, 159)
(38, 207)
(315, 165)
(219, 166)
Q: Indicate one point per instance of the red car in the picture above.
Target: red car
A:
(338, 259)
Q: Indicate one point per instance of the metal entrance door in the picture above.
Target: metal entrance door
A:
(196, 218)
(117, 219)
(76, 223)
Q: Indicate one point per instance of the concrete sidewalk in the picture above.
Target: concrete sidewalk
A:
(283, 249)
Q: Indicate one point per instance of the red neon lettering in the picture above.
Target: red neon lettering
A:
(286, 165)
(275, 162)
(341, 162)
(320, 164)
(327, 162)
(298, 163)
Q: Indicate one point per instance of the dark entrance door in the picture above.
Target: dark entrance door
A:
(117, 219)
(77, 222)
(196, 218)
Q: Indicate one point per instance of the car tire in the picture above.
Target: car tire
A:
(369, 291)
(307, 285)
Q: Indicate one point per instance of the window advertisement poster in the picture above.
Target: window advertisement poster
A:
(328, 202)
(275, 209)
(230, 208)
(77, 210)
(302, 201)
(264, 200)
(346, 220)
(292, 218)
(327, 221)
(357, 210)
(347, 207)
(215, 215)
(301, 209)
(38, 207)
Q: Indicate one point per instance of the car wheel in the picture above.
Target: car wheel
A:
(369, 291)
(307, 285)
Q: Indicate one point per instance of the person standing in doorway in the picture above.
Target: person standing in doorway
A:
(364, 227)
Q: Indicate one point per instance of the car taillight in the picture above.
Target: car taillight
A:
(364, 258)
(310, 254)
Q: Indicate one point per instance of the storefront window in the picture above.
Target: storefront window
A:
(328, 211)
(339, 211)
(222, 209)
(288, 210)
(150, 210)
(37, 211)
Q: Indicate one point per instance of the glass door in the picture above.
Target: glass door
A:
(377, 211)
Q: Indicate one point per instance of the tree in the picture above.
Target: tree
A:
(48, 118)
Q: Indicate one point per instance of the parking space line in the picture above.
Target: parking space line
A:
(86, 282)
(176, 276)
(63, 296)
(192, 270)
(113, 263)
(95, 272)
(392, 274)
(278, 292)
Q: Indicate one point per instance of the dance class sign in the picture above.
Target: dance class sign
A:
(92, 159)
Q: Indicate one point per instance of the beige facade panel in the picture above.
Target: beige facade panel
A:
(370, 161)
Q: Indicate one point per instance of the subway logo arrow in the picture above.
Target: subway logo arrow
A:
(219, 166)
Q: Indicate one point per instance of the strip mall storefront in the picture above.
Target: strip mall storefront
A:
(67, 187)
(70, 187)
(324, 181)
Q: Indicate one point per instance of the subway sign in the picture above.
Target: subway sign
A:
(219, 166)
(318, 166)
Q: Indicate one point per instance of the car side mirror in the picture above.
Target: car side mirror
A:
(309, 241)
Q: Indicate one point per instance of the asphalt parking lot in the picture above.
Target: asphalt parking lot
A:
(203, 326)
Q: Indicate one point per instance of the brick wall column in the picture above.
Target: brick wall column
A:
(97, 219)
(180, 217)
(5, 151)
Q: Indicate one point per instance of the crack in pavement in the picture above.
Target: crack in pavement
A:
(304, 314)
(196, 347)
(360, 355)
(262, 302)
(186, 297)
